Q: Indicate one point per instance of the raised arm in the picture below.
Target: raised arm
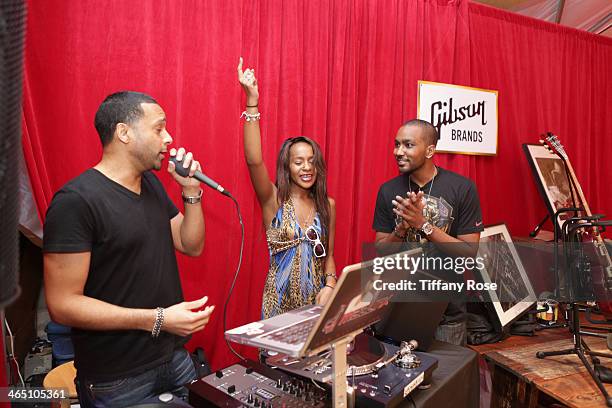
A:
(264, 188)
(65, 277)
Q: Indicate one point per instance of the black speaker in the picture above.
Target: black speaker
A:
(12, 39)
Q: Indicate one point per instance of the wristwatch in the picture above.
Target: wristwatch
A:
(192, 200)
(427, 228)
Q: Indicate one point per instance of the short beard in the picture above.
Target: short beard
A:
(411, 168)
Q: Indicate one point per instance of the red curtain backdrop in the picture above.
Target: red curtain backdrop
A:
(343, 72)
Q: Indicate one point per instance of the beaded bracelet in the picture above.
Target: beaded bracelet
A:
(398, 234)
(159, 321)
(250, 116)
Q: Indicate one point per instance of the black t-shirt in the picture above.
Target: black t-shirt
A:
(452, 204)
(452, 197)
(133, 264)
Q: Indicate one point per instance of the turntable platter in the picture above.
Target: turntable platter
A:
(366, 354)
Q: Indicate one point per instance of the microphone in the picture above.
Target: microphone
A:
(182, 171)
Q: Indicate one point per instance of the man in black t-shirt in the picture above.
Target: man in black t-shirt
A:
(111, 274)
(426, 203)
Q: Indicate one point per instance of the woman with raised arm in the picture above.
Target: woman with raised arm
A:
(298, 215)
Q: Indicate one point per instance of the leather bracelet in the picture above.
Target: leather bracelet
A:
(252, 106)
(192, 199)
(328, 286)
(398, 235)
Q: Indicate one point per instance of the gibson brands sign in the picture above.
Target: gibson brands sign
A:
(466, 118)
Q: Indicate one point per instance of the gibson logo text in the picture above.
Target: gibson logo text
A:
(443, 113)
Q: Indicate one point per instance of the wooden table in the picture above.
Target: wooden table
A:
(520, 379)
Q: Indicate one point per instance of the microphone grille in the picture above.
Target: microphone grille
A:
(182, 171)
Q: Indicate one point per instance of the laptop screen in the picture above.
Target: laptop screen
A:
(356, 303)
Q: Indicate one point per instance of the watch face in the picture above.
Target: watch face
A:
(427, 228)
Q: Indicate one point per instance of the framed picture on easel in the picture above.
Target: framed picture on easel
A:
(502, 265)
(551, 179)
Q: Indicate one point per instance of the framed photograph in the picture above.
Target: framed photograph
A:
(549, 173)
(502, 265)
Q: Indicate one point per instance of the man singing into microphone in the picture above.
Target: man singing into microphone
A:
(110, 266)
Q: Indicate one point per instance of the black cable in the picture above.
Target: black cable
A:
(229, 295)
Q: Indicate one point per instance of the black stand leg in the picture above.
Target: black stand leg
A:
(581, 350)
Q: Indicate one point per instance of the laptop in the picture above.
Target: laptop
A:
(405, 321)
(310, 329)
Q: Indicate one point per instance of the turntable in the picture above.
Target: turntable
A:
(381, 374)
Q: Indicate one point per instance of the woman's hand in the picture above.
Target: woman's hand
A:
(324, 295)
(249, 84)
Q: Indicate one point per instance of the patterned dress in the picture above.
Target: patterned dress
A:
(295, 276)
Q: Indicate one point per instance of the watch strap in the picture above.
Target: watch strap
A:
(192, 199)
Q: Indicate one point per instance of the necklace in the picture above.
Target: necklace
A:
(309, 218)
(432, 181)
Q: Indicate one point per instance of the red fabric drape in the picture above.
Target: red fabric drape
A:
(343, 72)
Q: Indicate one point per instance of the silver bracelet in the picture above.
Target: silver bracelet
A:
(159, 322)
(193, 199)
(250, 116)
